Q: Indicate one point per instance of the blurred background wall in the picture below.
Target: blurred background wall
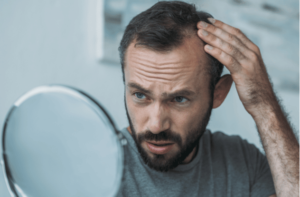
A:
(74, 42)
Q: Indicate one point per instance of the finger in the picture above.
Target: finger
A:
(213, 40)
(227, 60)
(237, 32)
(227, 37)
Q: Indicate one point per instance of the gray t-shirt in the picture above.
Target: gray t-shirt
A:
(224, 166)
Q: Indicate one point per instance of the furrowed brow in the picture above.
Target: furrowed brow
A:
(178, 93)
(139, 87)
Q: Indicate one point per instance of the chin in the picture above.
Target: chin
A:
(162, 163)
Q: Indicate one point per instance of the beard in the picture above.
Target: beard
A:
(161, 162)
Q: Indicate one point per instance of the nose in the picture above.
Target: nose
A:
(158, 119)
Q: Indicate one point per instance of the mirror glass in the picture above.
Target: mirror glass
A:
(58, 141)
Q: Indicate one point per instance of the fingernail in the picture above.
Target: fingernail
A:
(203, 24)
(203, 32)
(209, 47)
(212, 20)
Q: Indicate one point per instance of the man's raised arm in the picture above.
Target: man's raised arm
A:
(243, 59)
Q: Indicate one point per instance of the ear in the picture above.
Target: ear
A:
(221, 90)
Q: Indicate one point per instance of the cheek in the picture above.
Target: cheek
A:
(188, 120)
(184, 120)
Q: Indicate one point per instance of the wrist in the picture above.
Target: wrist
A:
(262, 105)
(265, 111)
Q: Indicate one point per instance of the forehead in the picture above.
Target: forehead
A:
(184, 65)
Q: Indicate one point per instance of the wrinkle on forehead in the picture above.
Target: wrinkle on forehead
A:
(183, 63)
(172, 70)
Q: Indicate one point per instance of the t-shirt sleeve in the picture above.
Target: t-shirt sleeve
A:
(261, 181)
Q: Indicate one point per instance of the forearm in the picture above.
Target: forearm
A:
(244, 61)
(281, 147)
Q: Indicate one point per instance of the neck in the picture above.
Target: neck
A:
(191, 156)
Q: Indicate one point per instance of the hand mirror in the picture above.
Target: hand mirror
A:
(59, 142)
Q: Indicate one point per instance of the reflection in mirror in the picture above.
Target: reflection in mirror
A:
(58, 141)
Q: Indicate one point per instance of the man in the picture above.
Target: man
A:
(172, 58)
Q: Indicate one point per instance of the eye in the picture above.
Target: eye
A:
(180, 99)
(139, 95)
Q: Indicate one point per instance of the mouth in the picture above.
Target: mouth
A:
(159, 148)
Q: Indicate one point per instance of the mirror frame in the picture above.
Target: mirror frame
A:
(7, 172)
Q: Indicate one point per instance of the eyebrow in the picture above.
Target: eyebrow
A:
(166, 95)
(139, 87)
(178, 93)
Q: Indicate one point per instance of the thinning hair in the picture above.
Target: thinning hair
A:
(163, 27)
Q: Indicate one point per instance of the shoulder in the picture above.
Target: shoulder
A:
(230, 147)
(236, 158)
(237, 152)
(223, 141)
(221, 137)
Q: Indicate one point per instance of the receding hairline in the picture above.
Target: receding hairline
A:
(187, 36)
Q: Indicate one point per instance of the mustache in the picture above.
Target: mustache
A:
(162, 136)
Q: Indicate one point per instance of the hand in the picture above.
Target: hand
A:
(243, 59)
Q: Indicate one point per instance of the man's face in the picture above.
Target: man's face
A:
(168, 101)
